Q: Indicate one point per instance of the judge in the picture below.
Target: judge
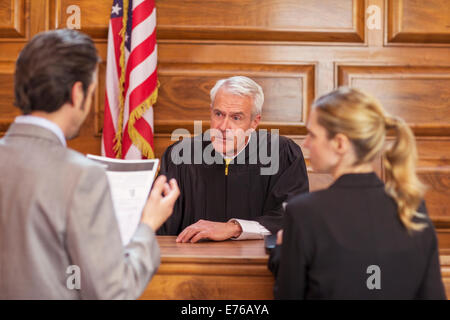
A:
(233, 179)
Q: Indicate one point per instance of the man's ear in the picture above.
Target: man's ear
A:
(255, 121)
(341, 143)
(77, 94)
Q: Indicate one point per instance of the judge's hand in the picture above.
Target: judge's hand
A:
(204, 229)
(280, 237)
(160, 203)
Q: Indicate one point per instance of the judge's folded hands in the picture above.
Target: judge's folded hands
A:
(160, 203)
(204, 229)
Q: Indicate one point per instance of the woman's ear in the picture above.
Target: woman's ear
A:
(341, 143)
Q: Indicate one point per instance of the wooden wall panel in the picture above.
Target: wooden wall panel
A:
(12, 19)
(420, 95)
(438, 194)
(184, 93)
(100, 99)
(412, 21)
(443, 235)
(94, 16)
(433, 151)
(434, 171)
(7, 110)
(262, 20)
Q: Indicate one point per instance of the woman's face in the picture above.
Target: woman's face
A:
(322, 151)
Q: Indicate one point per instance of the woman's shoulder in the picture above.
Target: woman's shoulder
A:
(310, 204)
(318, 197)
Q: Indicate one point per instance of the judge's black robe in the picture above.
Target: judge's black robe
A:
(244, 193)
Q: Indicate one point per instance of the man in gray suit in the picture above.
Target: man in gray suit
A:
(56, 214)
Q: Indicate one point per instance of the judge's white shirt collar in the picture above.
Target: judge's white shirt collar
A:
(231, 158)
(44, 123)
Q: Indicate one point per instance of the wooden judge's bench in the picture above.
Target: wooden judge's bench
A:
(211, 270)
(228, 270)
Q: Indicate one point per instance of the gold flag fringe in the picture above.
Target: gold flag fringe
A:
(118, 138)
(138, 140)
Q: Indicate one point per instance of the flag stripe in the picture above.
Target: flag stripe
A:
(141, 93)
(114, 28)
(138, 55)
(138, 68)
(141, 12)
(144, 129)
(112, 83)
(143, 30)
(108, 134)
(138, 76)
(136, 3)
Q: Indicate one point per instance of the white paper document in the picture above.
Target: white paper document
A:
(130, 182)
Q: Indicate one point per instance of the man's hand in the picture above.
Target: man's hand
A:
(204, 229)
(160, 203)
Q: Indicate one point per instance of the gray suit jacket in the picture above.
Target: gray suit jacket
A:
(56, 212)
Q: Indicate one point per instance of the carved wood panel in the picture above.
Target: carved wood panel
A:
(262, 20)
(420, 95)
(12, 19)
(418, 22)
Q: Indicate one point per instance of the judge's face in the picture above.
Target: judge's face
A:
(231, 121)
(323, 154)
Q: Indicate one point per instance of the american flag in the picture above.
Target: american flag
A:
(131, 80)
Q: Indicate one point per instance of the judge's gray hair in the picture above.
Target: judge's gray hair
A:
(242, 86)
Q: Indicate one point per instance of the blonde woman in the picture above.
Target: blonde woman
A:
(360, 238)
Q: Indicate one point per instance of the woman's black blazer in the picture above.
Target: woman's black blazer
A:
(347, 242)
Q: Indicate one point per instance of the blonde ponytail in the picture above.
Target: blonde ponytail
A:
(402, 183)
(362, 119)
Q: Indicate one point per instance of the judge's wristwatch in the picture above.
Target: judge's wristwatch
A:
(239, 225)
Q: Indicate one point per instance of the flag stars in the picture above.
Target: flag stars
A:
(115, 9)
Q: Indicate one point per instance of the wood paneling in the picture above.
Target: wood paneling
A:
(420, 95)
(433, 151)
(434, 171)
(94, 16)
(100, 99)
(445, 271)
(443, 235)
(262, 20)
(12, 19)
(7, 110)
(184, 97)
(211, 270)
(412, 21)
(438, 193)
(184, 92)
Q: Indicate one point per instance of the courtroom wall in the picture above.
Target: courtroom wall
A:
(398, 50)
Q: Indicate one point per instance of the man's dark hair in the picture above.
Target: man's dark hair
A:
(48, 67)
